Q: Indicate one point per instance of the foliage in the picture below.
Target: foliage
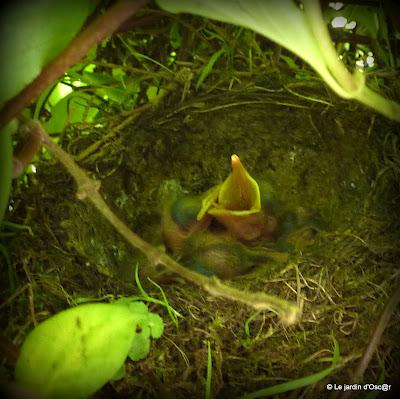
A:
(209, 66)
(301, 31)
(209, 372)
(148, 325)
(82, 348)
(369, 22)
(39, 30)
(173, 314)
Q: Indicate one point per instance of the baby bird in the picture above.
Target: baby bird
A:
(179, 217)
(216, 233)
(220, 254)
(239, 205)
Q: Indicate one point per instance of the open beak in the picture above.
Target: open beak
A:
(236, 203)
(239, 193)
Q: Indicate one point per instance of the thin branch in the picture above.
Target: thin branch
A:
(100, 28)
(390, 307)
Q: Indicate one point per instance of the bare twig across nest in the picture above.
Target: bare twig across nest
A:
(88, 189)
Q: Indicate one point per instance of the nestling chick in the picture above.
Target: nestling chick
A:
(238, 205)
(221, 254)
(179, 217)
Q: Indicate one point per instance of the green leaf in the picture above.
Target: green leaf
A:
(156, 325)
(92, 54)
(73, 108)
(118, 74)
(175, 38)
(42, 101)
(5, 166)
(290, 62)
(141, 343)
(94, 79)
(115, 94)
(75, 352)
(154, 93)
(36, 32)
(60, 91)
(209, 371)
(208, 67)
(147, 324)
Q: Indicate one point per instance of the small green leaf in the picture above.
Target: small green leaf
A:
(117, 95)
(58, 93)
(209, 371)
(154, 93)
(73, 108)
(147, 324)
(118, 73)
(175, 37)
(208, 67)
(290, 62)
(140, 347)
(156, 325)
(75, 352)
(94, 79)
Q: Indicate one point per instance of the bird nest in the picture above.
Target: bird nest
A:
(321, 155)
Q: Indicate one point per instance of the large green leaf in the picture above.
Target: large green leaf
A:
(33, 33)
(302, 31)
(75, 352)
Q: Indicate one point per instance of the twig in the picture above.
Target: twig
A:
(100, 28)
(88, 189)
(289, 312)
(92, 148)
